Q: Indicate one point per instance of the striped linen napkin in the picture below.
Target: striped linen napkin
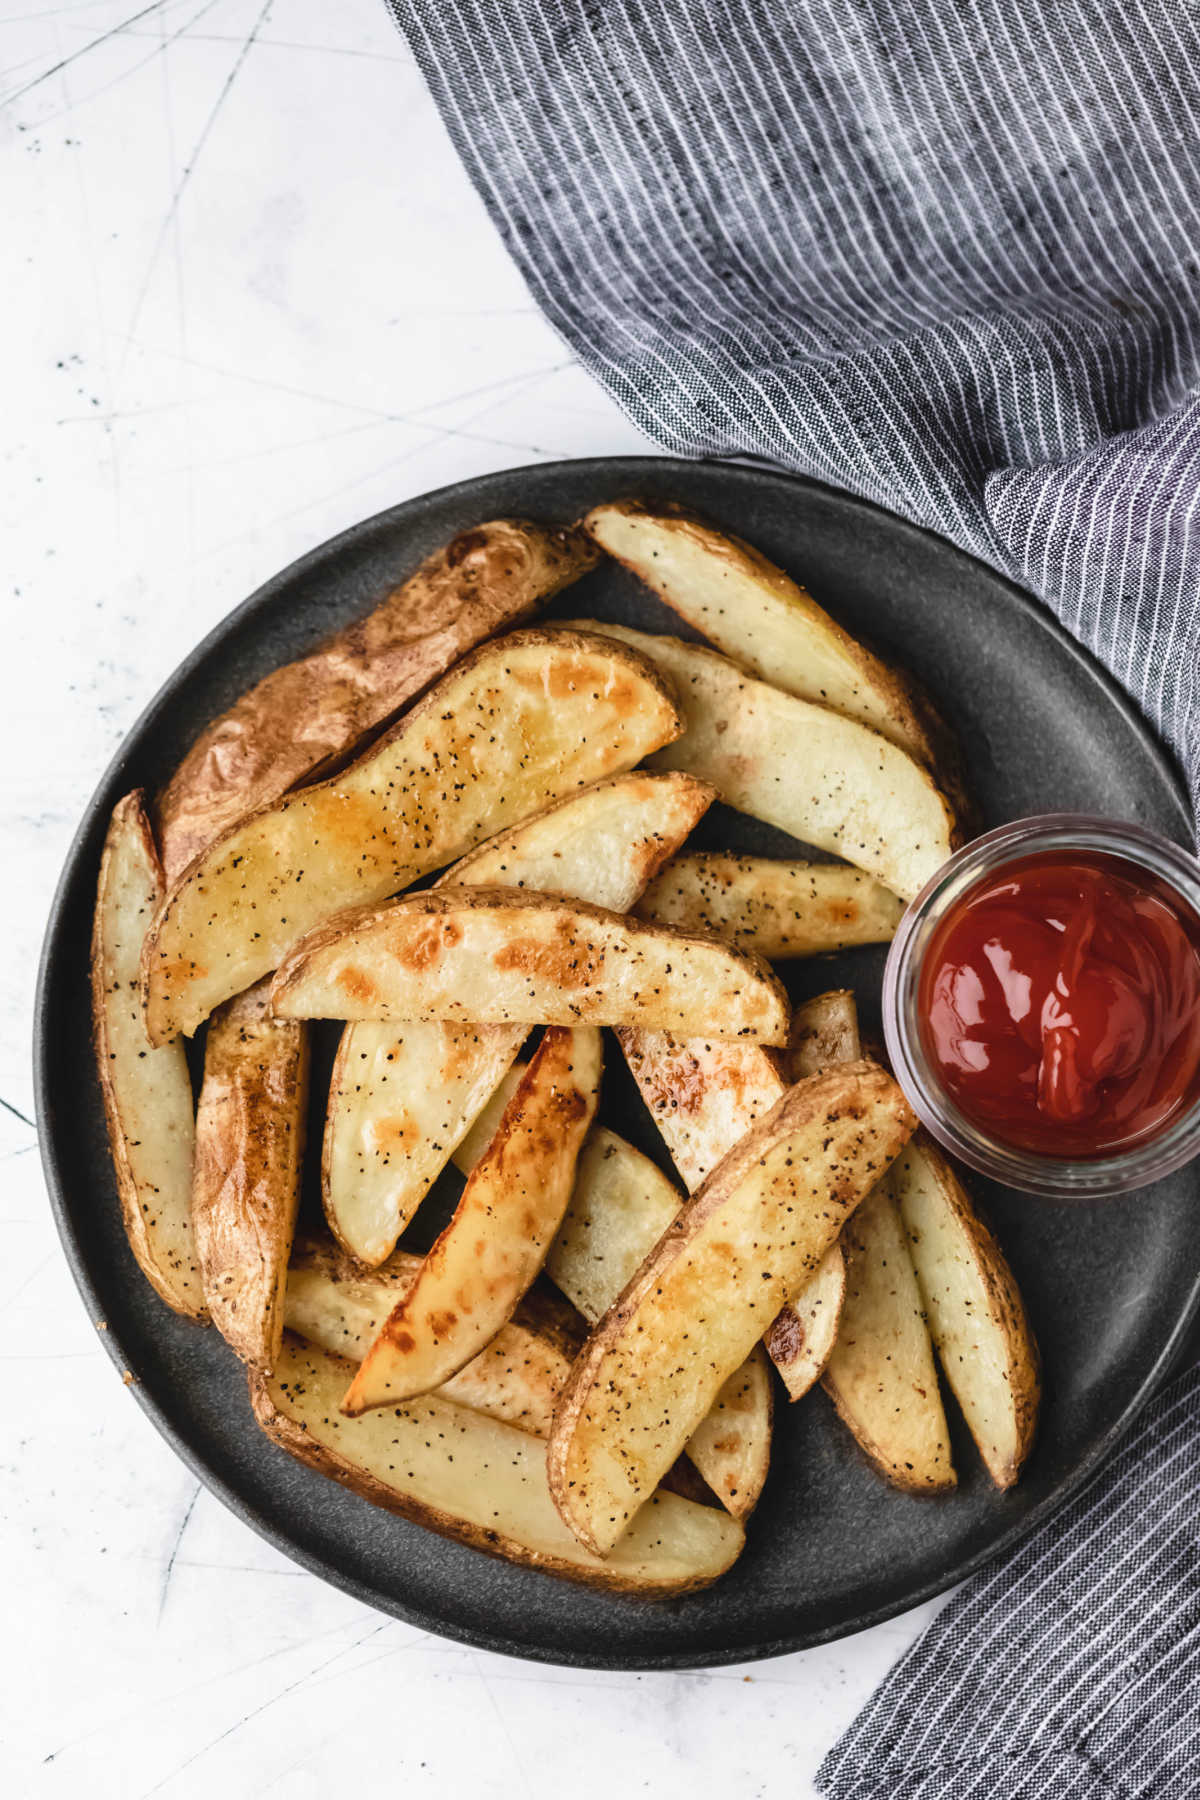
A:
(946, 256)
(943, 256)
(1071, 1669)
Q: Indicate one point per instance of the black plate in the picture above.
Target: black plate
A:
(1110, 1286)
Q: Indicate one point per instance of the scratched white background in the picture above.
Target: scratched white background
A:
(248, 298)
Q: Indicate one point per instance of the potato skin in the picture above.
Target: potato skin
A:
(250, 1127)
(300, 718)
(1009, 1319)
(884, 1351)
(147, 1092)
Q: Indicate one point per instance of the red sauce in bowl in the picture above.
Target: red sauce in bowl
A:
(1060, 1005)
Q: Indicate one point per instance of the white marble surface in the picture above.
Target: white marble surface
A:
(249, 298)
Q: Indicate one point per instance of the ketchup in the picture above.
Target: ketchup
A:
(1060, 1005)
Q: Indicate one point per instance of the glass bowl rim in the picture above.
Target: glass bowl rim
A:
(1050, 1177)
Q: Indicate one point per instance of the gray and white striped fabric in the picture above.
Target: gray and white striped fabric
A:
(1071, 1669)
(943, 255)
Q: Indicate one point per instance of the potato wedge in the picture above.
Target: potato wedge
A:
(753, 611)
(603, 844)
(494, 1246)
(777, 909)
(246, 1186)
(496, 956)
(703, 1093)
(402, 1096)
(743, 1246)
(801, 1340)
(474, 1142)
(825, 779)
(619, 1208)
(308, 714)
(147, 1092)
(333, 1303)
(976, 1315)
(704, 1096)
(731, 1446)
(478, 1481)
(881, 1376)
(824, 1031)
(515, 725)
(880, 1373)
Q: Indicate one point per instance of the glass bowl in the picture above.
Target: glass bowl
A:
(1056, 1177)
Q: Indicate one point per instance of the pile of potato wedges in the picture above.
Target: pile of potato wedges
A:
(464, 835)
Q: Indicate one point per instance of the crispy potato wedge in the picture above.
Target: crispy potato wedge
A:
(474, 1142)
(825, 779)
(147, 1092)
(976, 1315)
(880, 1372)
(402, 1096)
(731, 1446)
(754, 612)
(779, 910)
(603, 844)
(800, 1341)
(333, 1303)
(619, 1208)
(704, 1096)
(306, 715)
(505, 1221)
(745, 1243)
(246, 1186)
(479, 1481)
(881, 1375)
(703, 1093)
(498, 956)
(515, 725)
(824, 1031)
